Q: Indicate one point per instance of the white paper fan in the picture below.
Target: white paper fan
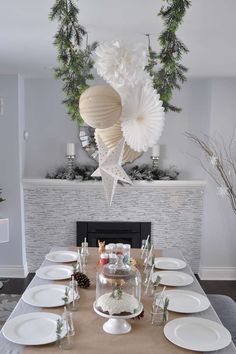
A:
(142, 118)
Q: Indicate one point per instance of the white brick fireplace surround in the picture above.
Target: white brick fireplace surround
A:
(52, 207)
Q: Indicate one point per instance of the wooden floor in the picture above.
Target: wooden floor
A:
(17, 286)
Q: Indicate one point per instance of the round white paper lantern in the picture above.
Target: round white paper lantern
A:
(111, 136)
(100, 106)
(142, 118)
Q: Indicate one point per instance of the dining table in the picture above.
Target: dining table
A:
(90, 338)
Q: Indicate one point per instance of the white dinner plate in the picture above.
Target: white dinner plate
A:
(62, 256)
(172, 278)
(55, 272)
(197, 334)
(168, 263)
(49, 295)
(185, 301)
(32, 328)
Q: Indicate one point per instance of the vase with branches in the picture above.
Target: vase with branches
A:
(221, 163)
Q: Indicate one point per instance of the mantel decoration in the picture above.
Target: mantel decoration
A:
(221, 158)
(130, 107)
(143, 172)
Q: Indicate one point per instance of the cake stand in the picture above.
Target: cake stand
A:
(117, 324)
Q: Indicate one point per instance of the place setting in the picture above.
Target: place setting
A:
(193, 333)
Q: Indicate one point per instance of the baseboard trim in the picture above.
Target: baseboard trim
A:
(13, 271)
(217, 273)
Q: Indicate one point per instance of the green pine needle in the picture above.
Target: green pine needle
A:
(75, 63)
(171, 73)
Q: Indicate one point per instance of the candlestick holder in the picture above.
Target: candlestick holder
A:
(155, 161)
(70, 166)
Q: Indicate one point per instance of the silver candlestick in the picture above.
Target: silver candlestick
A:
(155, 161)
(70, 164)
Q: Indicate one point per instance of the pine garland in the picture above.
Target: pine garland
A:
(75, 64)
(172, 72)
(144, 172)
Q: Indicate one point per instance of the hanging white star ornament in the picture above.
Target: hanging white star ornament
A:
(110, 168)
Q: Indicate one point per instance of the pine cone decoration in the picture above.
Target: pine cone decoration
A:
(82, 280)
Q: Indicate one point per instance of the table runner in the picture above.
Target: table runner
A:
(90, 337)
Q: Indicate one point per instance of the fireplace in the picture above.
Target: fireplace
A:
(113, 232)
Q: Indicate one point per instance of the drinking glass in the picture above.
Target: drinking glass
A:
(73, 288)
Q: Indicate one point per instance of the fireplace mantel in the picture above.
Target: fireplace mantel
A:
(52, 208)
(32, 183)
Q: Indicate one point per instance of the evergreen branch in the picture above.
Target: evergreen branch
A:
(75, 64)
(171, 72)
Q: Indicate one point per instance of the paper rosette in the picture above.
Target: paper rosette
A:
(121, 65)
(111, 136)
(142, 118)
(100, 106)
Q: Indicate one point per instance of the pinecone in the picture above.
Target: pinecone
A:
(82, 280)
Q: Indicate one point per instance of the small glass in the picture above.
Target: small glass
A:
(83, 263)
(73, 288)
(159, 312)
(68, 323)
(65, 343)
(127, 253)
(84, 249)
(144, 250)
(158, 318)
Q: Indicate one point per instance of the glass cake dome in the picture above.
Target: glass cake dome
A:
(118, 290)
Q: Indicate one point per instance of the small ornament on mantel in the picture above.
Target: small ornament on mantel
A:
(155, 155)
(70, 154)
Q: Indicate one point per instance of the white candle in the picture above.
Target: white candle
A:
(70, 149)
(156, 150)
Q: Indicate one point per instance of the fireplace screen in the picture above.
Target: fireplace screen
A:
(113, 232)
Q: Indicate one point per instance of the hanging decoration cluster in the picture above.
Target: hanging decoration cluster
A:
(171, 73)
(127, 114)
(75, 62)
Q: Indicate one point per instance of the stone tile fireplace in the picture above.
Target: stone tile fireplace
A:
(52, 208)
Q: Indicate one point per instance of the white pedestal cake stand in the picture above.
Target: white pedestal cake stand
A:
(117, 324)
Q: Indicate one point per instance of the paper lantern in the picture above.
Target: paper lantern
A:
(111, 136)
(142, 119)
(100, 106)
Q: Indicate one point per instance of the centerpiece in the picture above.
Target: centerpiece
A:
(118, 293)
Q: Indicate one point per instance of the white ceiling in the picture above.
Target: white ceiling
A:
(209, 31)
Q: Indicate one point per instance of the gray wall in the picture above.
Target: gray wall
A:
(11, 166)
(208, 107)
(219, 241)
(50, 128)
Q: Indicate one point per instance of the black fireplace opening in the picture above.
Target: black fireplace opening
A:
(113, 232)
